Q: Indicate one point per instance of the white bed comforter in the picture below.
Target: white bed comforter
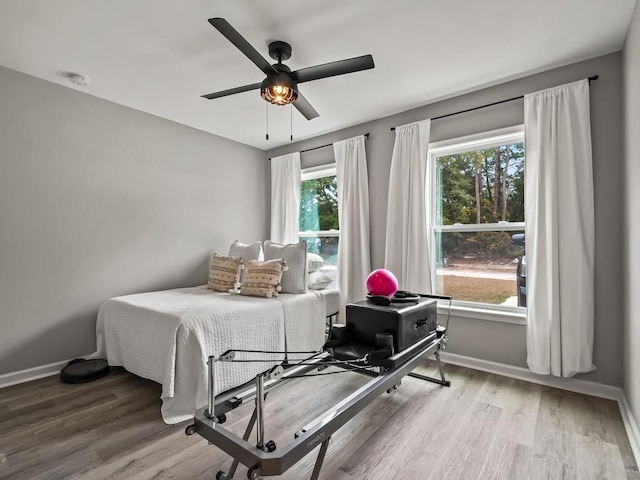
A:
(167, 337)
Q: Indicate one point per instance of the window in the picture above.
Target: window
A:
(319, 225)
(478, 212)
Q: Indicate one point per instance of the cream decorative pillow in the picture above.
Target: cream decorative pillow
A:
(263, 278)
(224, 272)
(246, 251)
(294, 280)
(314, 262)
(319, 280)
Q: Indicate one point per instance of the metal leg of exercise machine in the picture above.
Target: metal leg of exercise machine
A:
(320, 459)
(257, 418)
(260, 410)
(442, 381)
(234, 466)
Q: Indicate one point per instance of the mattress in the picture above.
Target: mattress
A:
(331, 301)
(167, 337)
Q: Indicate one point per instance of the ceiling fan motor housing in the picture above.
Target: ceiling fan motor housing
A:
(280, 51)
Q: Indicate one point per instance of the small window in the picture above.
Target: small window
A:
(478, 219)
(319, 225)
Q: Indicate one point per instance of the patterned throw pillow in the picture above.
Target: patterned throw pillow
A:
(263, 278)
(224, 272)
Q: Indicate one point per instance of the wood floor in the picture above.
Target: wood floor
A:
(483, 427)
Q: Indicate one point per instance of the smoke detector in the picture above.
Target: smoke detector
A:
(80, 80)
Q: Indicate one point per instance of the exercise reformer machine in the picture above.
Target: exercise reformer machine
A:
(385, 342)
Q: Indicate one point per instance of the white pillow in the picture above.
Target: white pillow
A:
(246, 251)
(314, 262)
(319, 280)
(294, 280)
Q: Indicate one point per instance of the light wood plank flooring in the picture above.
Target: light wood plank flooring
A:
(483, 427)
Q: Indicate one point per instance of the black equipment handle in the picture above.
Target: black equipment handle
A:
(449, 298)
(439, 297)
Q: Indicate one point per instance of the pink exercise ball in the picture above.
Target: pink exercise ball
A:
(382, 282)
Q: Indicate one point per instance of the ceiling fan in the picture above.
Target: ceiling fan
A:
(280, 87)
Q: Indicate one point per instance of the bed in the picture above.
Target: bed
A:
(167, 336)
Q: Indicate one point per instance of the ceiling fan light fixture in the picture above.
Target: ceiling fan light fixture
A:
(279, 89)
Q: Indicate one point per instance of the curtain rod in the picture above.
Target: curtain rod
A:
(591, 79)
(366, 135)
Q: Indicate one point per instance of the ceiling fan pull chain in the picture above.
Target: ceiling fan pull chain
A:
(291, 122)
(267, 135)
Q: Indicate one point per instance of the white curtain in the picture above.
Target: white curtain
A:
(354, 259)
(408, 245)
(285, 198)
(559, 211)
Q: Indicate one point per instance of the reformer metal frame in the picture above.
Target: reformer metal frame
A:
(262, 460)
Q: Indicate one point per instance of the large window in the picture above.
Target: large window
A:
(319, 225)
(478, 212)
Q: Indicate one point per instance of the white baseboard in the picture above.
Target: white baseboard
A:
(595, 389)
(29, 374)
(572, 384)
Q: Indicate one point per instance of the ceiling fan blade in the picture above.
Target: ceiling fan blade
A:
(232, 91)
(305, 108)
(241, 44)
(332, 69)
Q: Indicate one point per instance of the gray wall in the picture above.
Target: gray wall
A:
(631, 272)
(502, 342)
(98, 200)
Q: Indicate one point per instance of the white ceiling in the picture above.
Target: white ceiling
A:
(159, 56)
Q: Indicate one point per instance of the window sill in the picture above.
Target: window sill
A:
(492, 315)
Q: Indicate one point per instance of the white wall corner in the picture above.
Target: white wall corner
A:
(29, 374)
(630, 425)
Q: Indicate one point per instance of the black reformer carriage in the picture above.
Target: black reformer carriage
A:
(385, 342)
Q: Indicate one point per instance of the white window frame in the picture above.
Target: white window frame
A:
(482, 311)
(311, 173)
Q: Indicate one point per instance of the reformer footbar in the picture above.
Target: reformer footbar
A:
(261, 458)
